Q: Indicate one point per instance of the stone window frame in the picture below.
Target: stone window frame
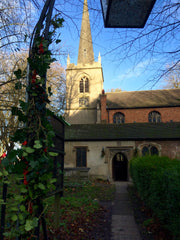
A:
(85, 150)
(154, 117)
(149, 146)
(84, 85)
(121, 118)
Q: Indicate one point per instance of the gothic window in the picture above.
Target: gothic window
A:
(83, 102)
(84, 85)
(154, 151)
(81, 156)
(150, 150)
(118, 118)
(145, 151)
(81, 86)
(154, 117)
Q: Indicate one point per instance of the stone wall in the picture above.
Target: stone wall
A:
(100, 165)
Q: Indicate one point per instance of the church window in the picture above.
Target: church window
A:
(154, 117)
(145, 151)
(150, 150)
(83, 102)
(81, 86)
(154, 150)
(84, 85)
(118, 118)
(81, 156)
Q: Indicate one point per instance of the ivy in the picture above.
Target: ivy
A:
(30, 167)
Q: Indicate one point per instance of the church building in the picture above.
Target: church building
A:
(108, 129)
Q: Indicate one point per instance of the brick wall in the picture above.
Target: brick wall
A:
(167, 148)
(104, 113)
(141, 115)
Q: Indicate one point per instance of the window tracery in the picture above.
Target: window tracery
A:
(83, 102)
(154, 117)
(119, 118)
(150, 150)
(84, 85)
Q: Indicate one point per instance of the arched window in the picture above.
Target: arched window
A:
(84, 85)
(81, 86)
(154, 117)
(145, 151)
(118, 118)
(154, 151)
(150, 150)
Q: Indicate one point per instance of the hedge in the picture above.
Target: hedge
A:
(157, 180)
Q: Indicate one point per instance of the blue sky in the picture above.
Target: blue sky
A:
(123, 66)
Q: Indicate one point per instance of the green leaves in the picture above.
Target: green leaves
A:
(14, 218)
(41, 186)
(18, 85)
(21, 116)
(57, 23)
(18, 74)
(30, 224)
(53, 154)
(28, 149)
(32, 164)
(37, 144)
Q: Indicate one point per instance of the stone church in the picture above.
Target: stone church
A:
(108, 129)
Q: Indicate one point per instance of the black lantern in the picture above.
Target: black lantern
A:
(126, 13)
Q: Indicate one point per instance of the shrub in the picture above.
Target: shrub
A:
(157, 180)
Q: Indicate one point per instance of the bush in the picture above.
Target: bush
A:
(157, 180)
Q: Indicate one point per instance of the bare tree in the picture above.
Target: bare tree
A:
(157, 42)
(172, 79)
(9, 97)
(15, 23)
(10, 94)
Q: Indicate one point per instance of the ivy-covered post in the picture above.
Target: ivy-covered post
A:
(39, 61)
(33, 162)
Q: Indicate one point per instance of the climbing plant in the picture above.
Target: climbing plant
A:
(29, 167)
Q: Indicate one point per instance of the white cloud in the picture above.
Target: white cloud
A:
(134, 71)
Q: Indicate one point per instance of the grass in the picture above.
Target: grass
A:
(79, 208)
(101, 191)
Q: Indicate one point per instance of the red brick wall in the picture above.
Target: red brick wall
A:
(141, 115)
(104, 114)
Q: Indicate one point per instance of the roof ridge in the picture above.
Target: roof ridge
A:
(172, 89)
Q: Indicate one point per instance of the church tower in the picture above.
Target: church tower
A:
(84, 81)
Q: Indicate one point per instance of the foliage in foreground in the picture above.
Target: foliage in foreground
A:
(157, 180)
(79, 209)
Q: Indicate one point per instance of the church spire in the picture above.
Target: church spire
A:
(86, 54)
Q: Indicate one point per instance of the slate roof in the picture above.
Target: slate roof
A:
(128, 131)
(144, 99)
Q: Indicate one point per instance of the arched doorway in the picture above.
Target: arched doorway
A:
(120, 167)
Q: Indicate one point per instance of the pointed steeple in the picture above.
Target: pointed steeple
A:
(86, 54)
(68, 60)
(99, 58)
